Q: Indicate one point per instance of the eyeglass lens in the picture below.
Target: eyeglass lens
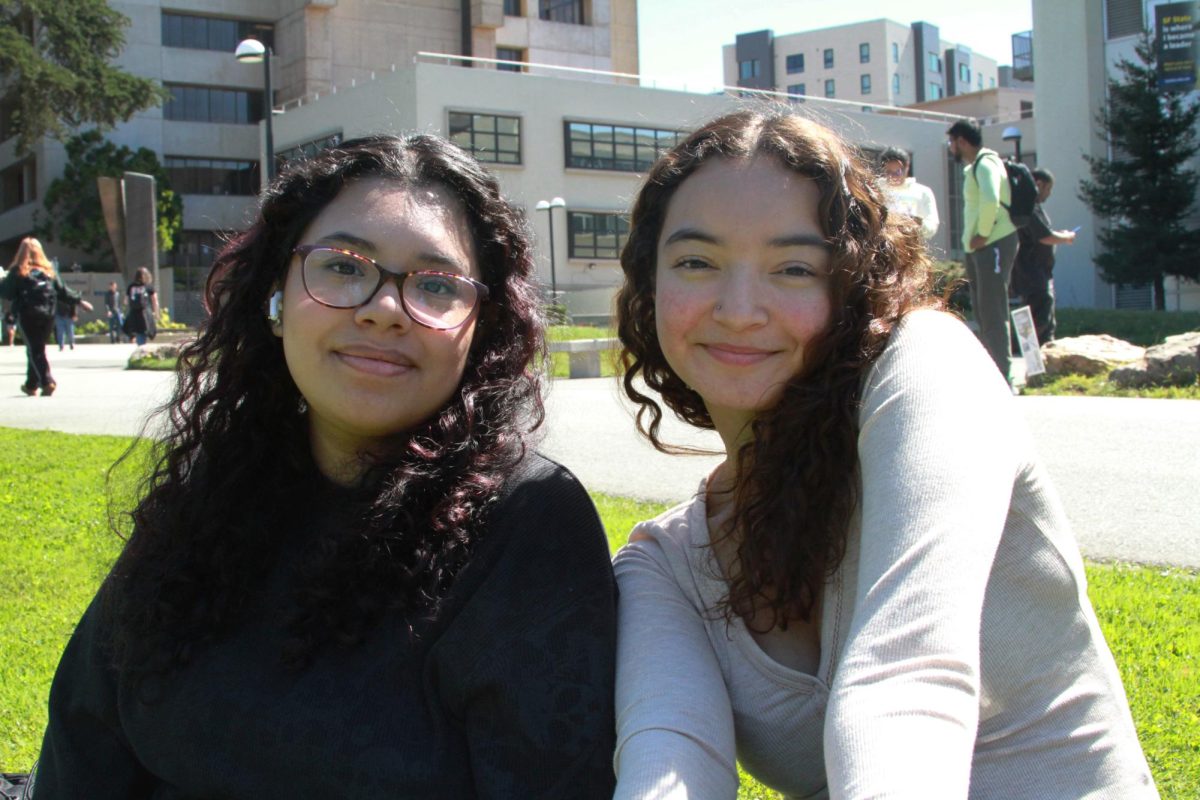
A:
(342, 280)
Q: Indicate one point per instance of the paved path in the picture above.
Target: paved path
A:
(1128, 470)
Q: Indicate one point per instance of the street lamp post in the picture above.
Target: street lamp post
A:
(252, 51)
(1013, 134)
(549, 207)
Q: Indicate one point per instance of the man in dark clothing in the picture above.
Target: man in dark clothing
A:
(112, 305)
(1033, 272)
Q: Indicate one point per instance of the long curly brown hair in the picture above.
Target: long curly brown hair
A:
(796, 483)
(236, 459)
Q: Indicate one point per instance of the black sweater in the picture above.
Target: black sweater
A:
(506, 694)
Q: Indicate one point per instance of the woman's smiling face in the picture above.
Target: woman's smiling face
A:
(371, 372)
(741, 284)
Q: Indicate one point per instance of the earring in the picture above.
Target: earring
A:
(718, 308)
(274, 308)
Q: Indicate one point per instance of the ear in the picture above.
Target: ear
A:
(275, 312)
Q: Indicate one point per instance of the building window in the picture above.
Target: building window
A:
(828, 58)
(595, 234)
(795, 63)
(512, 8)
(561, 11)
(510, 54)
(209, 33)
(749, 69)
(18, 184)
(964, 75)
(896, 84)
(1124, 18)
(307, 149)
(864, 53)
(8, 109)
(935, 63)
(864, 82)
(212, 175)
(829, 88)
(195, 249)
(895, 53)
(796, 88)
(934, 91)
(212, 104)
(489, 137)
(1026, 109)
(991, 82)
(622, 148)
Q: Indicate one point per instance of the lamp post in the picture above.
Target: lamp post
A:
(1013, 134)
(252, 51)
(549, 207)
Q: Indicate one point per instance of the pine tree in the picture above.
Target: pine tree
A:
(1146, 191)
(73, 213)
(56, 66)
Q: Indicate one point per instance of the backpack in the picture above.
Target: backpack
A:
(1022, 191)
(36, 297)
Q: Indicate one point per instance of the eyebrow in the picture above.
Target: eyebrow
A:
(791, 240)
(358, 243)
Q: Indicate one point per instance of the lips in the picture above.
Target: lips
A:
(374, 361)
(737, 355)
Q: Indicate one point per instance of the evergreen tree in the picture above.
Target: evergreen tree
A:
(55, 63)
(1146, 191)
(74, 215)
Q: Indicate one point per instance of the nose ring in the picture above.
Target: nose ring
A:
(718, 308)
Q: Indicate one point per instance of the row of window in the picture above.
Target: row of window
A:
(864, 85)
(209, 33)
(794, 64)
(570, 11)
(212, 104)
(213, 176)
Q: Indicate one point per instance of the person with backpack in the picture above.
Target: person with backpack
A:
(34, 288)
(989, 237)
(1033, 274)
(143, 307)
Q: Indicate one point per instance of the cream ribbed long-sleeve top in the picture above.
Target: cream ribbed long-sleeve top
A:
(960, 657)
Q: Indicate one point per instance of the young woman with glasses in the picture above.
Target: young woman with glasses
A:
(877, 593)
(350, 575)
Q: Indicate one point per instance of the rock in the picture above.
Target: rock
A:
(1175, 362)
(161, 350)
(1089, 355)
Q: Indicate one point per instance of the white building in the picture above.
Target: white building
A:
(207, 134)
(1086, 38)
(878, 61)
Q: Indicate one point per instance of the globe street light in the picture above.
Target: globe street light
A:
(549, 207)
(252, 51)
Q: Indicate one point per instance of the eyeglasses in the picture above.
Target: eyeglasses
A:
(344, 279)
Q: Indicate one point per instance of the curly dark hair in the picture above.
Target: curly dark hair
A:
(237, 455)
(796, 483)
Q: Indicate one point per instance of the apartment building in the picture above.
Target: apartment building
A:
(207, 134)
(551, 133)
(1088, 38)
(879, 61)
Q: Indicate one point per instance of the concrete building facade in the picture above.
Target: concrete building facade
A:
(1088, 39)
(879, 61)
(207, 134)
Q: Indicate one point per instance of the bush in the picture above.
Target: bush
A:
(1144, 328)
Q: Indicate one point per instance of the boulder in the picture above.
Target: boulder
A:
(1094, 354)
(1175, 362)
(160, 350)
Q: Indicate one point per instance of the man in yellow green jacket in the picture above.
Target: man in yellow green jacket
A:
(989, 237)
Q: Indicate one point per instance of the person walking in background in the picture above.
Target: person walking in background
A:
(112, 306)
(34, 289)
(10, 328)
(1033, 274)
(903, 195)
(141, 312)
(989, 237)
(65, 314)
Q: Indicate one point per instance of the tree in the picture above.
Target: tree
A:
(55, 60)
(1146, 190)
(73, 212)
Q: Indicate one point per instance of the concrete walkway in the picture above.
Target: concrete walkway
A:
(1128, 470)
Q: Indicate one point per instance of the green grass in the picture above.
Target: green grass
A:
(1143, 328)
(1101, 386)
(57, 545)
(559, 367)
(153, 363)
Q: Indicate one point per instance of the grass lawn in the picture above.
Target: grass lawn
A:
(1100, 386)
(57, 546)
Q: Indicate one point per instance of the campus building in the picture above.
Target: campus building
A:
(207, 134)
(879, 61)
(1087, 38)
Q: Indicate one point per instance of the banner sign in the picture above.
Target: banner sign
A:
(1175, 42)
